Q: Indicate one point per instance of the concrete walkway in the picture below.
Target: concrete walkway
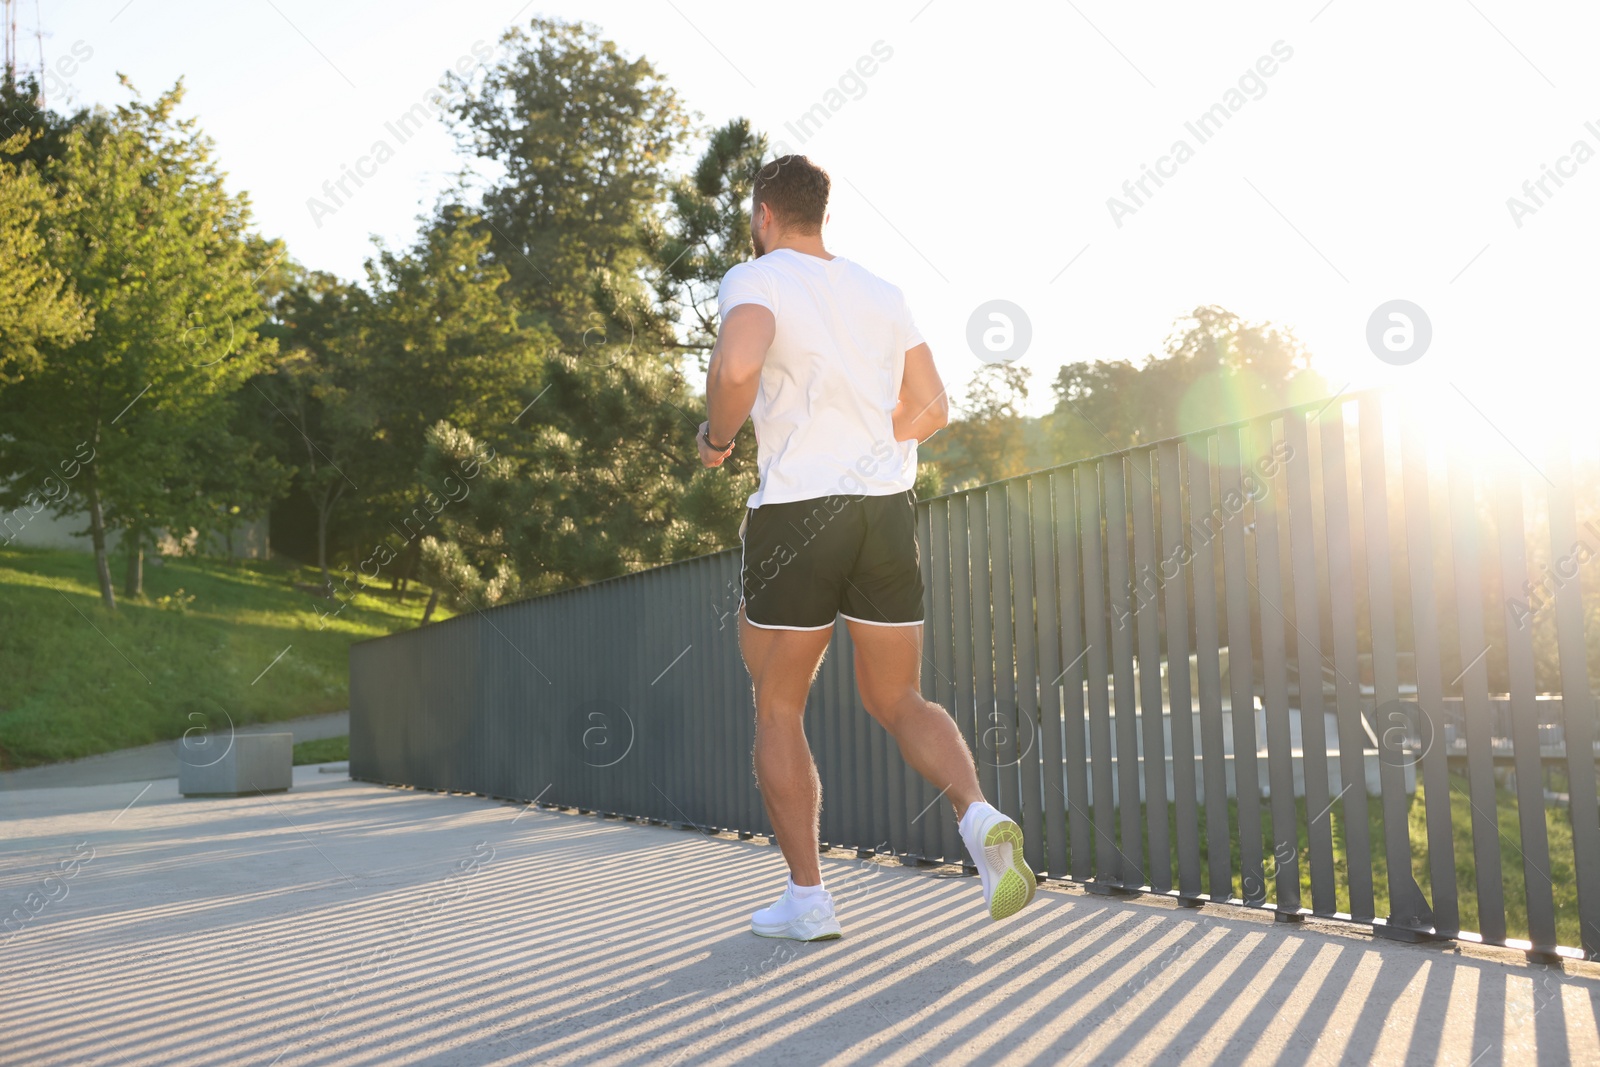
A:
(159, 760)
(345, 923)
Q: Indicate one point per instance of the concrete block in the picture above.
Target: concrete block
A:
(251, 763)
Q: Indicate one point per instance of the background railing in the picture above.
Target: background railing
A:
(1386, 638)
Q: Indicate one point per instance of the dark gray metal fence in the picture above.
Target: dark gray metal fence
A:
(1297, 588)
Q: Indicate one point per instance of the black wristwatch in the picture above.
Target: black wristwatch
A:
(706, 436)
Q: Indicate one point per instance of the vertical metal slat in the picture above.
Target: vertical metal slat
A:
(1308, 648)
(1025, 611)
(1107, 865)
(1205, 522)
(1420, 555)
(943, 691)
(1127, 724)
(1406, 904)
(1147, 621)
(1001, 744)
(1241, 668)
(1275, 671)
(983, 624)
(1535, 846)
(1180, 698)
(961, 611)
(1347, 693)
(1075, 771)
(1474, 681)
(1577, 703)
(1047, 585)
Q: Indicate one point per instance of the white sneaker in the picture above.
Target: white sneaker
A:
(802, 919)
(995, 843)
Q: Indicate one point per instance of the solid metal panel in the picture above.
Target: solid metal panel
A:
(623, 777)
(983, 625)
(1107, 864)
(1577, 699)
(1147, 623)
(887, 803)
(1127, 726)
(652, 615)
(1474, 681)
(845, 798)
(837, 689)
(1535, 845)
(690, 788)
(1421, 555)
(664, 726)
(1047, 585)
(1347, 692)
(1070, 684)
(1025, 612)
(1205, 523)
(1170, 574)
(1406, 904)
(722, 656)
(1308, 649)
(1000, 738)
(693, 742)
(642, 763)
(868, 811)
(727, 568)
(588, 781)
(528, 688)
(1275, 666)
(719, 656)
(633, 678)
(1241, 667)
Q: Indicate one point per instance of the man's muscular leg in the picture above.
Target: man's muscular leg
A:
(782, 665)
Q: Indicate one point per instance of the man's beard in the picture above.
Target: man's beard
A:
(755, 245)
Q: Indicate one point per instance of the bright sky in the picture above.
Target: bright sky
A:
(1374, 163)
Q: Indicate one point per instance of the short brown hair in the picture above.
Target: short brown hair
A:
(796, 190)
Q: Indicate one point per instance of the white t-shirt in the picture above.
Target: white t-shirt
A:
(824, 410)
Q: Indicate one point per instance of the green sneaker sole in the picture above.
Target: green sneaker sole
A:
(1015, 888)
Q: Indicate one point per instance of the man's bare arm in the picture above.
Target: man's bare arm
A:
(735, 371)
(924, 409)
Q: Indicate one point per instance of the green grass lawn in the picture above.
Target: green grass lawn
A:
(325, 750)
(1558, 827)
(77, 679)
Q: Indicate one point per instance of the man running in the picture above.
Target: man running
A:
(824, 357)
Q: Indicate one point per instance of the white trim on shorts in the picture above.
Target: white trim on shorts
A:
(765, 626)
(870, 622)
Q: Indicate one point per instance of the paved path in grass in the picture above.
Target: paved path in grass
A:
(159, 760)
(345, 923)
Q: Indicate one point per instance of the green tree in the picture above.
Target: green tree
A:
(159, 251)
(989, 439)
(440, 341)
(707, 233)
(602, 454)
(1217, 368)
(46, 130)
(312, 399)
(38, 306)
(584, 138)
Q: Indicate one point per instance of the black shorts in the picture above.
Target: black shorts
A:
(807, 560)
